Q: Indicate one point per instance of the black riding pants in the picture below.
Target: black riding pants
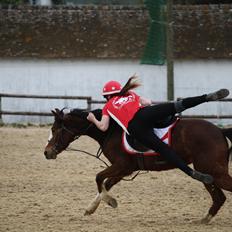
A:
(141, 128)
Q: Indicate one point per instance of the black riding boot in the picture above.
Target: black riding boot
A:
(173, 158)
(189, 102)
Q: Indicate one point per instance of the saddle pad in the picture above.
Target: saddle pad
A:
(163, 133)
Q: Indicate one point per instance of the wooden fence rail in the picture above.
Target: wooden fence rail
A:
(89, 101)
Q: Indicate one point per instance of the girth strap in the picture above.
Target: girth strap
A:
(141, 164)
(140, 161)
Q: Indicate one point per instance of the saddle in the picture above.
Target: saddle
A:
(163, 131)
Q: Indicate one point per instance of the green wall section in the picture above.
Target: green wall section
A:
(155, 49)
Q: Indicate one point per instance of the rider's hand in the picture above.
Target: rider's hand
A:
(91, 117)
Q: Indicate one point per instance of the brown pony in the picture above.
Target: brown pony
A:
(197, 141)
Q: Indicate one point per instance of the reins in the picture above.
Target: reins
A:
(99, 152)
(97, 156)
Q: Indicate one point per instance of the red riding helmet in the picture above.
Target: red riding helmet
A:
(111, 87)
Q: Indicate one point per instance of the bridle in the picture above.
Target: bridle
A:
(75, 137)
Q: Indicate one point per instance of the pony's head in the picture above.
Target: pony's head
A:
(65, 129)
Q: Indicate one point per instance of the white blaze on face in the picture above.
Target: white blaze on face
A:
(49, 137)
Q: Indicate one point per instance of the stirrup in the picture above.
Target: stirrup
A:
(222, 93)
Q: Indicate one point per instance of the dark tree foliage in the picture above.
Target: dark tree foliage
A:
(198, 2)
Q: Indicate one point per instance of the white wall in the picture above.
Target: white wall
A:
(86, 78)
(199, 77)
(80, 78)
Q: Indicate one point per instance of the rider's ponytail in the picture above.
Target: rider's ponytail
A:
(132, 83)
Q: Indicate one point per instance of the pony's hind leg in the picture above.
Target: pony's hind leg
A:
(224, 181)
(218, 198)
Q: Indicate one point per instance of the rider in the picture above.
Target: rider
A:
(138, 117)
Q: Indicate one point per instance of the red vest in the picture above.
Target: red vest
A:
(122, 108)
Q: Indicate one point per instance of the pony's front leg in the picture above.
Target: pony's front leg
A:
(96, 202)
(93, 205)
(112, 171)
(107, 198)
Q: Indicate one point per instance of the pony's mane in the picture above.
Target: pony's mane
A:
(81, 113)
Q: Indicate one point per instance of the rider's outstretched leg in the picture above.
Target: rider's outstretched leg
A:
(151, 114)
(189, 102)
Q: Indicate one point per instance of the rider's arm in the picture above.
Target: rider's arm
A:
(102, 125)
(145, 101)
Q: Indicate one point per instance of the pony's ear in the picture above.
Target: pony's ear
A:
(54, 113)
(57, 113)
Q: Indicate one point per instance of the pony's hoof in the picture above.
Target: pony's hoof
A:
(113, 203)
(206, 219)
(87, 213)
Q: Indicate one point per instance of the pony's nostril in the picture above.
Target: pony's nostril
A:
(45, 153)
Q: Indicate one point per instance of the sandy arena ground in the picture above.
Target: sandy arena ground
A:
(40, 195)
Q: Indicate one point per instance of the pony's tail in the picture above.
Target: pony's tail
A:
(132, 83)
(227, 132)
